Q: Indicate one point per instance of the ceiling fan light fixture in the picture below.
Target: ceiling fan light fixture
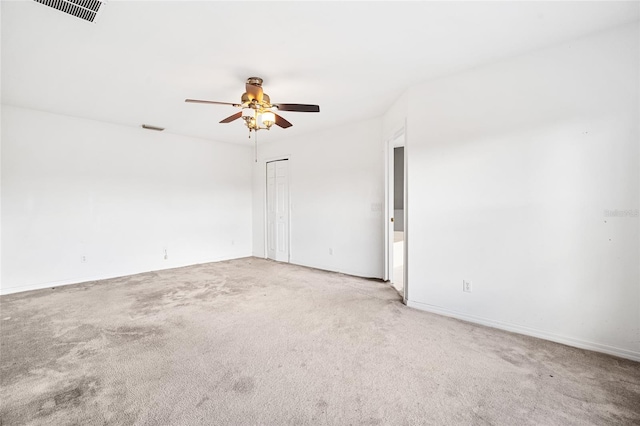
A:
(268, 119)
(256, 108)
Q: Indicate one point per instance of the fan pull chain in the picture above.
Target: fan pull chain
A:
(255, 141)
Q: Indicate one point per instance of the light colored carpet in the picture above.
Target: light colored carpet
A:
(250, 341)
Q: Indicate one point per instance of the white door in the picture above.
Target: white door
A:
(278, 210)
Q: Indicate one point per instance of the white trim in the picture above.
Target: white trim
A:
(527, 331)
(332, 268)
(12, 290)
(388, 206)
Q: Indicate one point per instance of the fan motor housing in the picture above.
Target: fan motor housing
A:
(255, 81)
(246, 99)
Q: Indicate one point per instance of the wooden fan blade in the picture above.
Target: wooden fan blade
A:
(282, 122)
(198, 101)
(232, 117)
(298, 107)
(254, 91)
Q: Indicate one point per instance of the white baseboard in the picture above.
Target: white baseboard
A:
(327, 268)
(569, 341)
(84, 279)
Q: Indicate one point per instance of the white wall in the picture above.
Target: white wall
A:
(510, 170)
(337, 194)
(394, 119)
(117, 195)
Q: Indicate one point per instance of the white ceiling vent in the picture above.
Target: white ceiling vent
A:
(83, 9)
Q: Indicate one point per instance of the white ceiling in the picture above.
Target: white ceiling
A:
(141, 59)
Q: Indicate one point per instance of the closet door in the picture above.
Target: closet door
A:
(278, 210)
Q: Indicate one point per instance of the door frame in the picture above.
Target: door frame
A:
(265, 207)
(390, 144)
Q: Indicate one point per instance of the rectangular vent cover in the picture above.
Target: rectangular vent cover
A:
(83, 9)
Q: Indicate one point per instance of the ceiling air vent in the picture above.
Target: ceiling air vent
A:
(83, 9)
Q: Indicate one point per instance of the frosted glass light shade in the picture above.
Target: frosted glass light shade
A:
(268, 118)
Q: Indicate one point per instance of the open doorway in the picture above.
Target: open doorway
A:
(396, 204)
(398, 218)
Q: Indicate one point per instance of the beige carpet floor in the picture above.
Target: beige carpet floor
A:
(250, 341)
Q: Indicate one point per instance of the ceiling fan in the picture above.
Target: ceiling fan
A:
(257, 109)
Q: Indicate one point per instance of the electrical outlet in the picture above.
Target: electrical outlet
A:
(83, 259)
(331, 251)
(466, 286)
(166, 255)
